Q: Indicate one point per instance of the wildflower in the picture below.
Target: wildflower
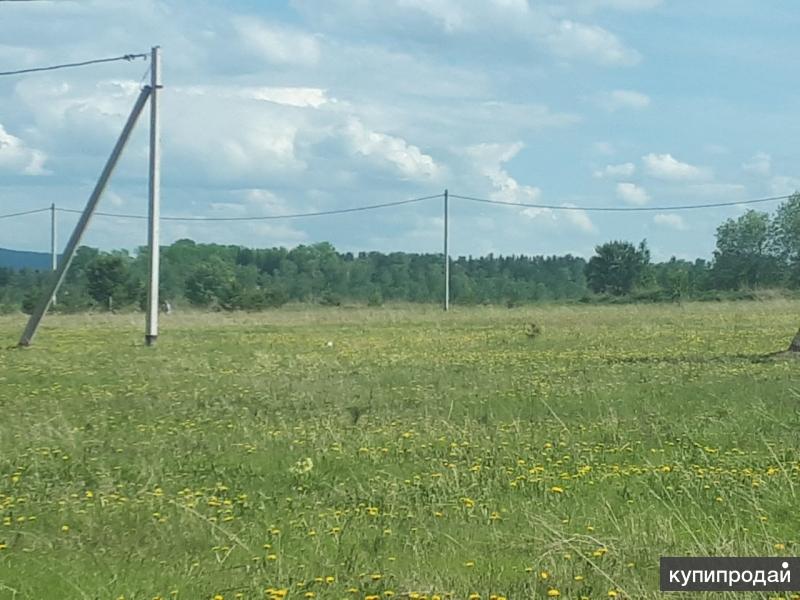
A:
(557, 490)
(553, 593)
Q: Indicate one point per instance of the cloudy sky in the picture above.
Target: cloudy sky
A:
(304, 105)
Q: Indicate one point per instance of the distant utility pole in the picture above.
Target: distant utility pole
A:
(446, 253)
(154, 213)
(53, 254)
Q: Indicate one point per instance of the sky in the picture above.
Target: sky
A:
(278, 107)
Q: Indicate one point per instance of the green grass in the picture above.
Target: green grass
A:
(421, 454)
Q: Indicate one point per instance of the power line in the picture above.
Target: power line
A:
(27, 212)
(621, 208)
(126, 57)
(268, 217)
(415, 200)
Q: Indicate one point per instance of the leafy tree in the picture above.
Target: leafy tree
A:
(785, 237)
(743, 257)
(617, 267)
(107, 276)
(211, 283)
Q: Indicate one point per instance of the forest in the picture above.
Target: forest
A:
(754, 252)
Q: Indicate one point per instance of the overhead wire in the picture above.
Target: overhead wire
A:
(126, 57)
(27, 212)
(267, 217)
(368, 207)
(620, 208)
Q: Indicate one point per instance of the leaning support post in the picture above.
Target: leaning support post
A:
(53, 251)
(446, 253)
(151, 327)
(83, 222)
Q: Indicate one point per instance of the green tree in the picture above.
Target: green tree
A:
(617, 267)
(785, 237)
(107, 276)
(211, 283)
(744, 256)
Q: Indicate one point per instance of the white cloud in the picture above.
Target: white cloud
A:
(301, 97)
(579, 218)
(632, 194)
(671, 220)
(621, 5)
(450, 13)
(623, 99)
(760, 164)
(612, 171)
(406, 158)
(15, 156)
(604, 148)
(515, 20)
(277, 44)
(665, 166)
(782, 185)
(717, 190)
(490, 158)
(574, 40)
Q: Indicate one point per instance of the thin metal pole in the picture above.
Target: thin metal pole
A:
(154, 213)
(53, 255)
(83, 222)
(446, 253)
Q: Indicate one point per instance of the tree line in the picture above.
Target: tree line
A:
(754, 251)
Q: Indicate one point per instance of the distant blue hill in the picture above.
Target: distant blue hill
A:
(17, 259)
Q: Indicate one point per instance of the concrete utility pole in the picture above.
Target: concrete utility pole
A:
(446, 253)
(83, 222)
(154, 213)
(53, 254)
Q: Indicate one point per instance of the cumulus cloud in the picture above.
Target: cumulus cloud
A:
(623, 99)
(760, 164)
(408, 159)
(621, 5)
(277, 44)
(490, 158)
(16, 157)
(671, 220)
(516, 20)
(612, 171)
(579, 218)
(301, 97)
(782, 185)
(632, 194)
(665, 166)
(573, 40)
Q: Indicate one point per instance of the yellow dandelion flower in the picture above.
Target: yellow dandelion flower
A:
(553, 593)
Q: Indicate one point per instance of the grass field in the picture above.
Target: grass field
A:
(418, 455)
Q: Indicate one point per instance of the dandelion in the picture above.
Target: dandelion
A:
(557, 490)
(553, 593)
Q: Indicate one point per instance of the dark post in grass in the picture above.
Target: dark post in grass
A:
(795, 345)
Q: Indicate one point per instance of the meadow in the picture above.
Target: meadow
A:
(395, 452)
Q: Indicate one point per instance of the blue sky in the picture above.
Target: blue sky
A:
(304, 105)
